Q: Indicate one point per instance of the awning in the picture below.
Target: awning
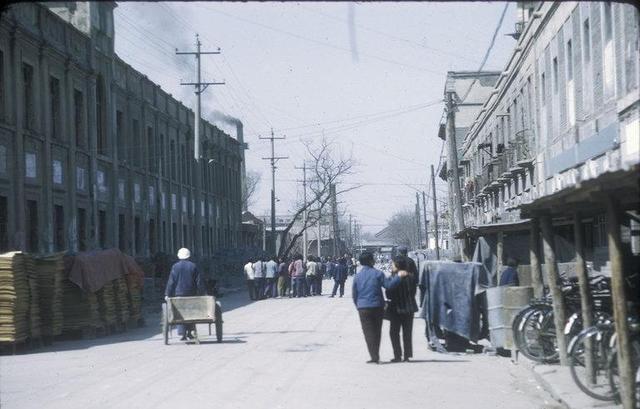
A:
(482, 229)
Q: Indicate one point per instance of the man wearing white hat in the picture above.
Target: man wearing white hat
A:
(184, 281)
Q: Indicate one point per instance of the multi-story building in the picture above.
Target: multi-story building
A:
(93, 154)
(563, 112)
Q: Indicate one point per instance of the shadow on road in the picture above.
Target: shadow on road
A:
(269, 332)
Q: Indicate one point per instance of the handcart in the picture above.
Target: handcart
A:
(191, 310)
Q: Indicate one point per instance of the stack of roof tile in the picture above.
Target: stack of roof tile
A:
(14, 298)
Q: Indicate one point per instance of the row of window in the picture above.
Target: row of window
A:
(33, 232)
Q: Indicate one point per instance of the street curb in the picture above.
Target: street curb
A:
(549, 388)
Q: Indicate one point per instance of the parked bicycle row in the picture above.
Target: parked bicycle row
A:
(591, 351)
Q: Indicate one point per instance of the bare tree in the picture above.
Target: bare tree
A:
(252, 181)
(326, 169)
(402, 229)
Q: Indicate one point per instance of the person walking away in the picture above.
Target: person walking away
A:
(297, 273)
(340, 276)
(322, 268)
(413, 269)
(283, 277)
(369, 301)
(312, 271)
(249, 275)
(270, 277)
(509, 276)
(259, 271)
(401, 308)
(184, 281)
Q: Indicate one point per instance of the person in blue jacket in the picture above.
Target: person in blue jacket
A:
(184, 281)
(340, 272)
(368, 298)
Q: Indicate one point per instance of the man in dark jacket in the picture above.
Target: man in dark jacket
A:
(340, 276)
(184, 281)
(509, 276)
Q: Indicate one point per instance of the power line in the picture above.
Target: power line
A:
(488, 52)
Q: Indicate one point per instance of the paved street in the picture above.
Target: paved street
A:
(283, 353)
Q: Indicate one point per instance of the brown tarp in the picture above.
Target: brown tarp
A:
(93, 270)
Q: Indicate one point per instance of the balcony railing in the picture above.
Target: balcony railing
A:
(520, 150)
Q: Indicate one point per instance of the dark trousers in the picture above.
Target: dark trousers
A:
(396, 322)
(259, 287)
(371, 321)
(317, 285)
(335, 288)
(270, 287)
(251, 287)
(299, 284)
(184, 328)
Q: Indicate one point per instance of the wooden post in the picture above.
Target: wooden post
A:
(585, 293)
(556, 292)
(618, 296)
(534, 255)
(499, 255)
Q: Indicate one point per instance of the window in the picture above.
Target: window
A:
(120, 141)
(1, 84)
(569, 61)
(152, 236)
(173, 160)
(57, 172)
(32, 227)
(586, 41)
(102, 229)
(151, 147)
(161, 157)
(78, 111)
(4, 222)
(58, 228)
(122, 232)
(101, 117)
(555, 75)
(54, 107)
(82, 229)
(136, 234)
(174, 234)
(135, 148)
(80, 178)
(27, 84)
(608, 23)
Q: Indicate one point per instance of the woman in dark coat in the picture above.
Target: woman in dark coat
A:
(402, 305)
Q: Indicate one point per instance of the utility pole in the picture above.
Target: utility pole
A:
(305, 212)
(418, 223)
(319, 232)
(426, 222)
(350, 234)
(199, 89)
(264, 235)
(435, 213)
(273, 158)
(454, 178)
(334, 218)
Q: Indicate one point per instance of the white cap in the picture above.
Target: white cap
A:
(184, 253)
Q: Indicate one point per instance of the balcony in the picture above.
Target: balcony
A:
(521, 149)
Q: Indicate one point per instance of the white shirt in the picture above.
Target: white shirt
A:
(258, 270)
(248, 271)
(272, 268)
(312, 268)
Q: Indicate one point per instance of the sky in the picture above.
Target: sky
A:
(374, 88)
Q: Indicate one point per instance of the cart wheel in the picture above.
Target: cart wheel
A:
(165, 324)
(195, 332)
(218, 322)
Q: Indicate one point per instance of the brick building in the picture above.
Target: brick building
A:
(95, 155)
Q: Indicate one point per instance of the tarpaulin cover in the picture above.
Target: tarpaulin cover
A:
(92, 270)
(484, 255)
(450, 300)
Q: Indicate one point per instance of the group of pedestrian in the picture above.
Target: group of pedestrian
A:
(295, 278)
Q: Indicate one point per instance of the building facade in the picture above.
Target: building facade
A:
(564, 111)
(95, 155)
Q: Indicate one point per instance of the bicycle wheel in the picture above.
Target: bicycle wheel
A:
(589, 364)
(614, 376)
(539, 342)
(517, 324)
